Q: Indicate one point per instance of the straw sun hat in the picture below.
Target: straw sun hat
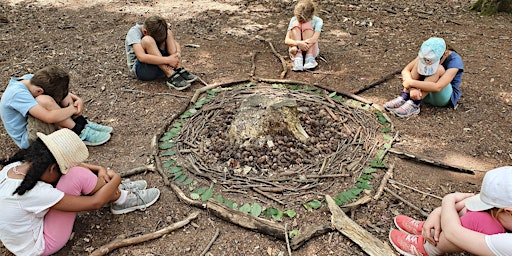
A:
(67, 148)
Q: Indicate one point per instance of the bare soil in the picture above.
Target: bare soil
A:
(361, 42)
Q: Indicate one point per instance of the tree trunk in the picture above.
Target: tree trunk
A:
(490, 7)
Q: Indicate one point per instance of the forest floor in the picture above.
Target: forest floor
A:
(228, 40)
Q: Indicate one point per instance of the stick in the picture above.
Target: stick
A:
(234, 216)
(202, 81)
(137, 170)
(417, 190)
(287, 240)
(369, 243)
(211, 242)
(118, 243)
(159, 169)
(380, 81)
(347, 94)
(213, 86)
(435, 162)
(283, 62)
(406, 202)
(388, 175)
(161, 93)
(308, 232)
(253, 61)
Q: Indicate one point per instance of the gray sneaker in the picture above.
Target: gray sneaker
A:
(407, 109)
(177, 82)
(137, 200)
(129, 185)
(298, 64)
(92, 137)
(394, 103)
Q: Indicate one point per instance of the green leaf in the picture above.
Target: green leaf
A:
(167, 145)
(380, 154)
(387, 145)
(278, 216)
(167, 136)
(368, 170)
(293, 233)
(177, 124)
(270, 211)
(315, 204)
(355, 191)
(386, 129)
(365, 177)
(207, 195)
(376, 163)
(219, 199)
(246, 208)
(169, 153)
(181, 178)
(388, 137)
(235, 205)
(332, 94)
(229, 203)
(290, 213)
(175, 169)
(200, 190)
(194, 196)
(177, 175)
(342, 198)
(188, 181)
(169, 163)
(256, 210)
(363, 186)
(308, 207)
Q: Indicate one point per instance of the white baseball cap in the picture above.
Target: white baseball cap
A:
(430, 54)
(496, 191)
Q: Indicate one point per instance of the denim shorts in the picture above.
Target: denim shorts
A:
(148, 72)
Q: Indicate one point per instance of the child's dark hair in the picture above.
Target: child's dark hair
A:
(305, 10)
(40, 159)
(54, 81)
(156, 27)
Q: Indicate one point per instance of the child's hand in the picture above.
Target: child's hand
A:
(79, 104)
(173, 60)
(303, 45)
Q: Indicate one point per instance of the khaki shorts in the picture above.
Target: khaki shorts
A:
(35, 125)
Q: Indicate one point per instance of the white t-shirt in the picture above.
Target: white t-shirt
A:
(21, 217)
(500, 244)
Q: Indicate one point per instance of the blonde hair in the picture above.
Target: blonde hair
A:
(305, 10)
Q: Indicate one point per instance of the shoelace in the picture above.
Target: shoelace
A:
(136, 192)
(407, 106)
(413, 243)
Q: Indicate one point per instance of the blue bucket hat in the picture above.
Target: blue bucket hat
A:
(430, 54)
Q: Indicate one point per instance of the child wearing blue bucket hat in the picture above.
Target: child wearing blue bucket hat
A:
(433, 77)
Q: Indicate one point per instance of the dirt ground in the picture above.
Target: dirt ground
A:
(361, 42)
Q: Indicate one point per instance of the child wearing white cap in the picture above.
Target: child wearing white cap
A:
(433, 77)
(444, 231)
(44, 186)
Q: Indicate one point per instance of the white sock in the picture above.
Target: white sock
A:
(431, 249)
(122, 197)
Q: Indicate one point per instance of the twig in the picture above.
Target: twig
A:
(435, 162)
(202, 81)
(158, 163)
(253, 61)
(209, 87)
(406, 202)
(380, 81)
(287, 240)
(414, 189)
(155, 94)
(211, 242)
(388, 175)
(283, 62)
(347, 94)
(137, 170)
(118, 243)
(268, 196)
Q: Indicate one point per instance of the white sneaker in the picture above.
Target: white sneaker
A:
(298, 64)
(310, 63)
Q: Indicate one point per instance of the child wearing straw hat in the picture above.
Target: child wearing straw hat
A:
(445, 231)
(44, 186)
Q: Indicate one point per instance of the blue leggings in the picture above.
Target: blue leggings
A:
(441, 98)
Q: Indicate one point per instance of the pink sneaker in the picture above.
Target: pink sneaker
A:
(407, 244)
(408, 224)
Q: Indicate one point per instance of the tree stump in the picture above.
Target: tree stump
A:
(260, 117)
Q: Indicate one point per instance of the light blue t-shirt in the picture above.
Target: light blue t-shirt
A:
(14, 106)
(134, 36)
(316, 23)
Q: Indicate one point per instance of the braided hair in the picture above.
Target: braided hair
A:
(40, 159)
